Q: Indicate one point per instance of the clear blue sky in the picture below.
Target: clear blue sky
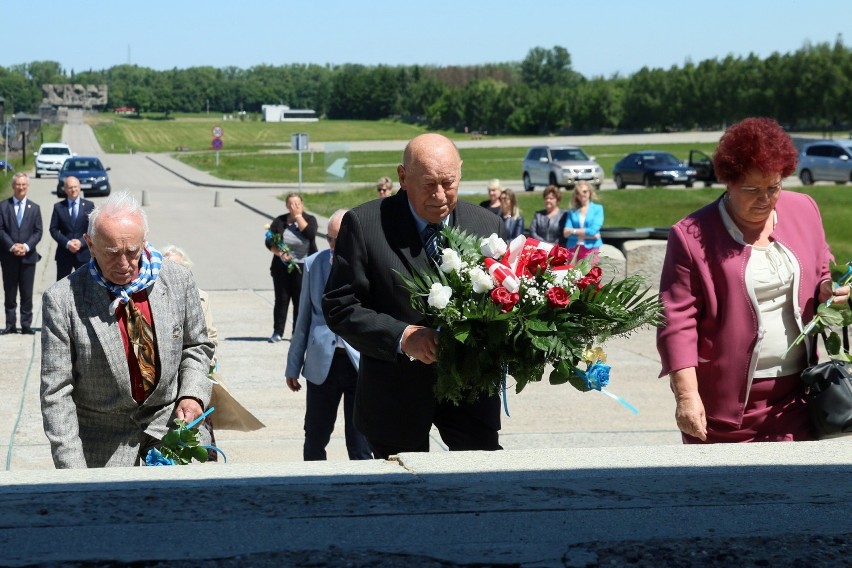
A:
(603, 36)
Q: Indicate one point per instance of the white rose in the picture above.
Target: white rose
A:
(439, 296)
(482, 281)
(450, 261)
(493, 246)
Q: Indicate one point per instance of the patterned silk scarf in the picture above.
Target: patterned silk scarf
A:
(138, 329)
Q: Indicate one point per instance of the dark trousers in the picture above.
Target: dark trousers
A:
(321, 411)
(459, 428)
(65, 266)
(288, 287)
(18, 276)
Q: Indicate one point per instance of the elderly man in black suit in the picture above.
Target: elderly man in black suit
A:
(20, 232)
(367, 304)
(68, 224)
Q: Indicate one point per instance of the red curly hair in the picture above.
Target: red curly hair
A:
(754, 144)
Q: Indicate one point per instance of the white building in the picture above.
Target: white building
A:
(283, 113)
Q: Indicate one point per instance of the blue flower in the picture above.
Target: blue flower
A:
(154, 457)
(597, 376)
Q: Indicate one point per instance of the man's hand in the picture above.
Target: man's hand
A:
(188, 409)
(73, 245)
(293, 384)
(421, 343)
(18, 249)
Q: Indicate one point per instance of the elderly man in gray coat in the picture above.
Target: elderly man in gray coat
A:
(124, 346)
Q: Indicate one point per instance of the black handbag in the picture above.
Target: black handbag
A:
(828, 391)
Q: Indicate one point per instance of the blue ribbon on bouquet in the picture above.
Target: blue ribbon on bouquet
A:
(503, 372)
(154, 456)
(597, 377)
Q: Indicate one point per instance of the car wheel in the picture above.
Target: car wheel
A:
(619, 182)
(528, 186)
(647, 181)
(553, 179)
(689, 184)
(38, 175)
(708, 183)
(806, 177)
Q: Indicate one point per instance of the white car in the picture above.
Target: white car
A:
(50, 157)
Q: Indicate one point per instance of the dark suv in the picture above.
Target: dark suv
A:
(826, 160)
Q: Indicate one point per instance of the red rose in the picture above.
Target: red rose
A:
(557, 298)
(536, 261)
(592, 277)
(505, 299)
(559, 256)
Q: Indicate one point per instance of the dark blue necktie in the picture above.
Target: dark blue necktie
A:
(432, 241)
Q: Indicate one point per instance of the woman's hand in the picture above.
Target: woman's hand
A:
(689, 414)
(296, 207)
(837, 296)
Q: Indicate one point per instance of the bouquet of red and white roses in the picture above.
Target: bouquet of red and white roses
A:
(517, 307)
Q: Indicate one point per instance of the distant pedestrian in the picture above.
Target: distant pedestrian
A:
(296, 232)
(547, 225)
(68, 224)
(511, 214)
(495, 190)
(384, 187)
(20, 232)
(583, 222)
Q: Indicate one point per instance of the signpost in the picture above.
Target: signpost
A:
(217, 142)
(299, 142)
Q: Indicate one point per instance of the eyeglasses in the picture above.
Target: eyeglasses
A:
(771, 190)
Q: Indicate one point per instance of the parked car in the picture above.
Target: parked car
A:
(92, 174)
(826, 160)
(6, 166)
(563, 166)
(703, 165)
(50, 157)
(650, 168)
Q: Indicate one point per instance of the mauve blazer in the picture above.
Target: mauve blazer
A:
(712, 323)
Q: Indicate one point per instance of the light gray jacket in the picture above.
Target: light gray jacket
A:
(89, 414)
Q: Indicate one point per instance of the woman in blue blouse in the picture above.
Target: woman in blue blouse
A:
(511, 214)
(584, 221)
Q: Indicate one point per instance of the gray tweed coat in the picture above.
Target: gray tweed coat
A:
(89, 414)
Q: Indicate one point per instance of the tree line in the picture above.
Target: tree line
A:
(809, 88)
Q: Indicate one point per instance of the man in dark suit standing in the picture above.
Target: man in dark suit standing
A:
(20, 232)
(367, 304)
(68, 224)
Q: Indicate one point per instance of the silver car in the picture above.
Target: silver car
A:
(826, 160)
(563, 166)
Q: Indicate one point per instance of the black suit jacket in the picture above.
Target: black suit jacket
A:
(367, 304)
(30, 231)
(62, 229)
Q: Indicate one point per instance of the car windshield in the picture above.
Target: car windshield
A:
(569, 154)
(662, 160)
(55, 151)
(81, 165)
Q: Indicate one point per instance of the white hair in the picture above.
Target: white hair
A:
(176, 254)
(120, 204)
